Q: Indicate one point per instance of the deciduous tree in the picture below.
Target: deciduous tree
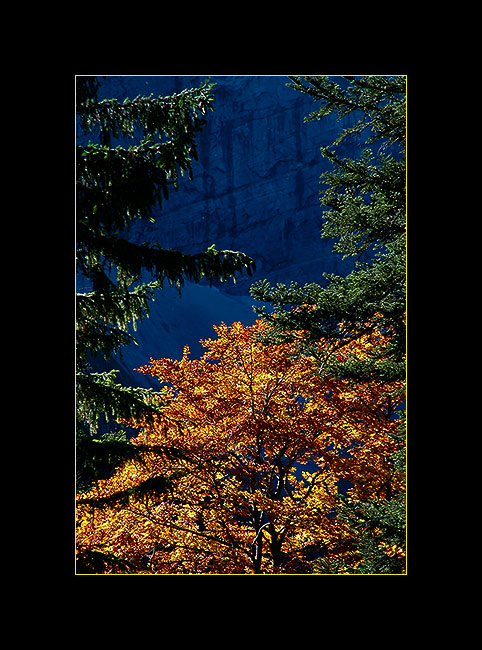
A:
(266, 444)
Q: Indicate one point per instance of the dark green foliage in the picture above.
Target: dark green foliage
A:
(137, 151)
(379, 529)
(378, 101)
(98, 457)
(364, 214)
(366, 198)
(98, 393)
(378, 526)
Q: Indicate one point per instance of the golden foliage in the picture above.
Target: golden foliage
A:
(264, 441)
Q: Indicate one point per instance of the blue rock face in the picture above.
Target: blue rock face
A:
(255, 189)
(256, 184)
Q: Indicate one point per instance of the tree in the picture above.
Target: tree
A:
(265, 445)
(155, 141)
(364, 213)
(365, 217)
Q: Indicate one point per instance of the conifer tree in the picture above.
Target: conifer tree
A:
(364, 201)
(365, 215)
(136, 152)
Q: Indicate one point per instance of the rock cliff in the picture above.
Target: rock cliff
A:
(255, 189)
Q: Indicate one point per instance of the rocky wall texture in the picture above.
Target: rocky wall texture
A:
(256, 184)
(255, 189)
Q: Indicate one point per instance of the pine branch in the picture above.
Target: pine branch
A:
(174, 116)
(171, 265)
(379, 100)
(98, 393)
